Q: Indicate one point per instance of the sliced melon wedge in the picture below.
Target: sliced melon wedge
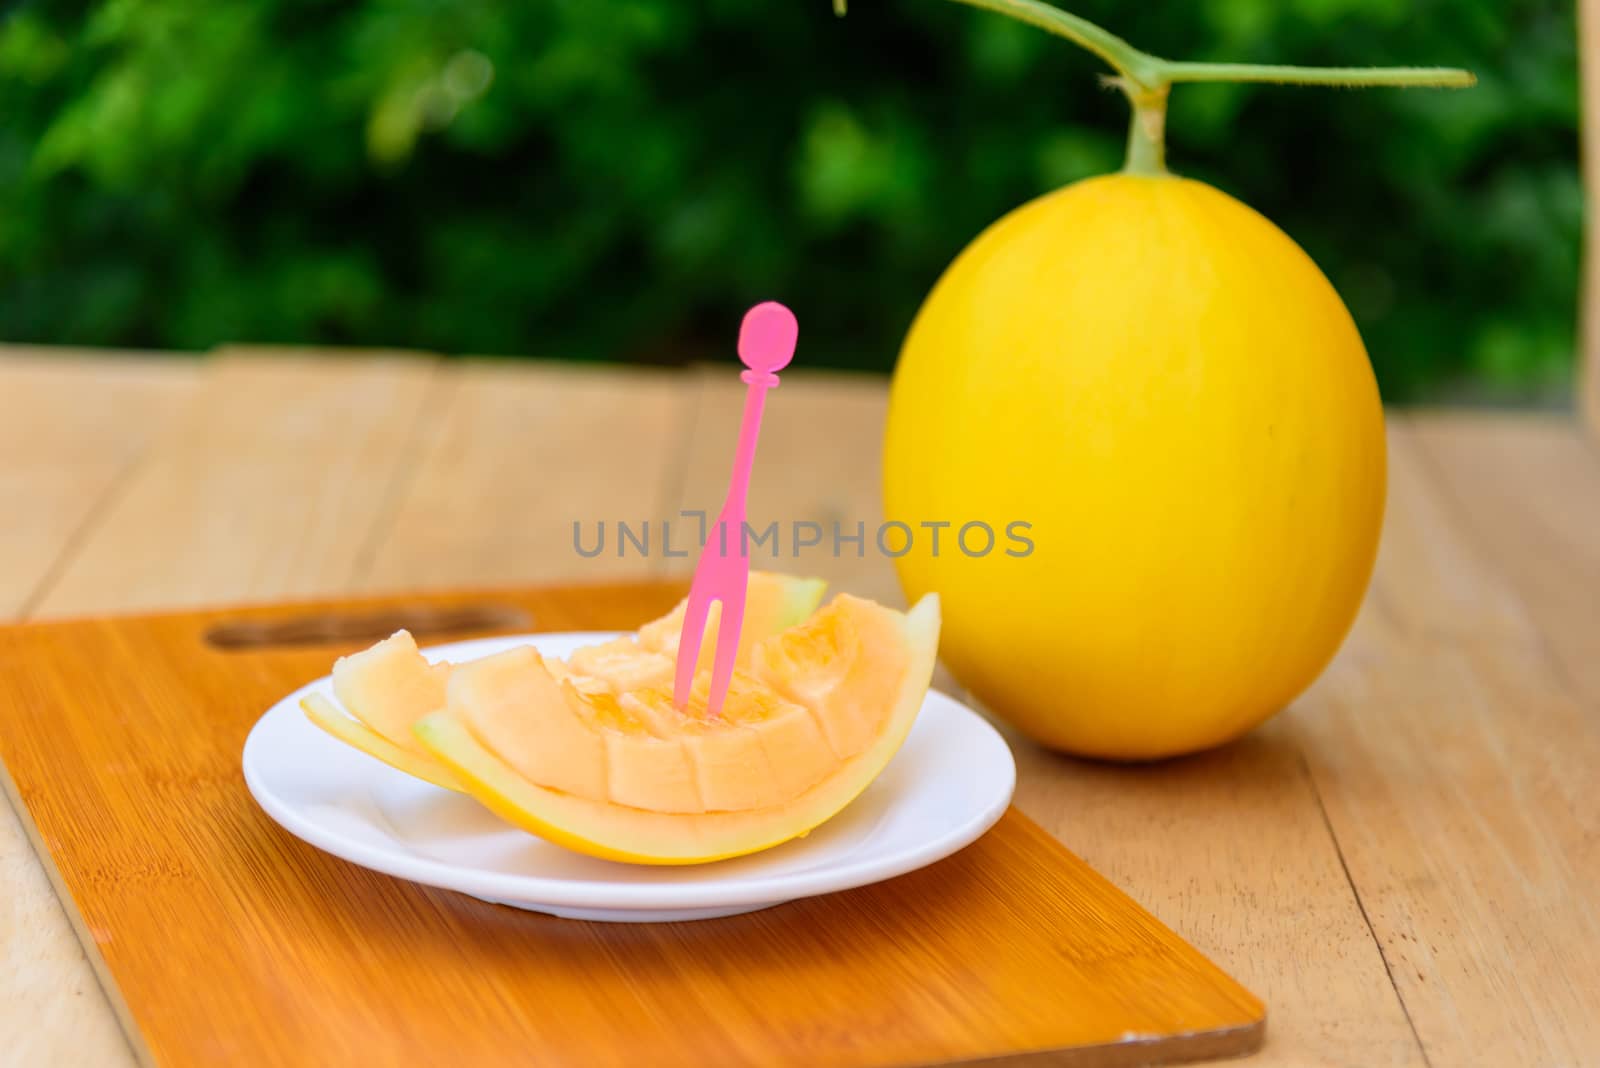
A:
(384, 690)
(387, 688)
(857, 672)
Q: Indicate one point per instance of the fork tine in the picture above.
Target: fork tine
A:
(689, 639)
(728, 628)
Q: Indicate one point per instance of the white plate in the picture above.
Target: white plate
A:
(948, 784)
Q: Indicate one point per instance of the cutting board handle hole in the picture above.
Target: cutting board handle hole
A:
(335, 628)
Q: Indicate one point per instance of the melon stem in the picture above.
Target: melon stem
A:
(1146, 79)
(1147, 131)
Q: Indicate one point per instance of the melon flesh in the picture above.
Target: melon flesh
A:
(386, 689)
(650, 657)
(390, 686)
(819, 713)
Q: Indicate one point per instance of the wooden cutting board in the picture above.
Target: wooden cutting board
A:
(221, 939)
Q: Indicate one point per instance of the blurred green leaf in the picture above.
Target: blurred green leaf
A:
(618, 179)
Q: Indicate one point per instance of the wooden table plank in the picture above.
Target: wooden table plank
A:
(1231, 848)
(271, 486)
(72, 423)
(1456, 768)
(1460, 787)
(512, 456)
(1432, 577)
(1527, 489)
(70, 426)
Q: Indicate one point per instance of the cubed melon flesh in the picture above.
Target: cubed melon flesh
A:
(822, 710)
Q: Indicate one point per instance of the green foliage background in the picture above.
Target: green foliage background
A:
(617, 179)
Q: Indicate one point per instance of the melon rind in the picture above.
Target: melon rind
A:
(617, 832)
(353, 732)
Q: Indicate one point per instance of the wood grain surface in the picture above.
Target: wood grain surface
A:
(284, 463)
(510, 457)
(70, 434)
(229, 941)
(1325, 860)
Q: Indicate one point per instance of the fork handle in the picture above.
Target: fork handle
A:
(744, 457)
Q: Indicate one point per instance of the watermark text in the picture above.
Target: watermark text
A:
(779, 540)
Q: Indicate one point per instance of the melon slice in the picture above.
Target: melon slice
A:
(385, 689)
(353, 732)
(815, 717)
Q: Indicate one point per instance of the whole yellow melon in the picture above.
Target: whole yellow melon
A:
(1162, 411)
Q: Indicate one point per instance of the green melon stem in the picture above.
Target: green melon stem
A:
(1147, 129)
(1147, 80)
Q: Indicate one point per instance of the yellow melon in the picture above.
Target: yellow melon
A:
(387, 688)
(812, 717)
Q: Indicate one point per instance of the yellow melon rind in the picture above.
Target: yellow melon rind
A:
(353, 732)
(617, 832)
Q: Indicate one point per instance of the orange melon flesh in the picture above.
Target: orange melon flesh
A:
(819, 690)
(649, 658)
(762, 750)
(385, 689)
(639, 750)
(390, 686)
(890, 662)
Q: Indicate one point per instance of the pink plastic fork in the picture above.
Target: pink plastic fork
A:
(766, 345)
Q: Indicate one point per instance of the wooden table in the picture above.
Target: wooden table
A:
(1405, 864)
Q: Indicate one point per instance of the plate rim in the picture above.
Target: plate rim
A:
(535, 890)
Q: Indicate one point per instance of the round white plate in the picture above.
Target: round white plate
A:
(948, 784)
